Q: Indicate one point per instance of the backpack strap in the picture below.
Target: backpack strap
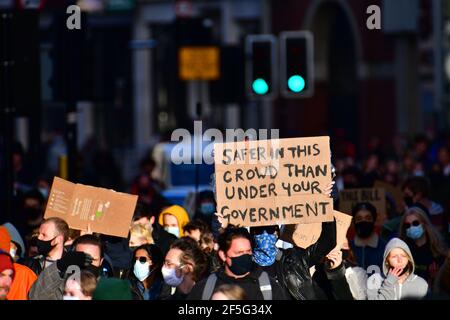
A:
(209, 287)
(264, 286)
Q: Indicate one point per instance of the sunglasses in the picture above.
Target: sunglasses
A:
(414, 223)
(141, 259)
(260, 230)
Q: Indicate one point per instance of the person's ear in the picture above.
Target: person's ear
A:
(101, 261)
(152, 220)
(189, 268)
(222, 255)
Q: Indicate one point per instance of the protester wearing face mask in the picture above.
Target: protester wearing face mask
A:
(173, 219)
(82, 289)
(87, 255)
(145, 273)
(235, 251)
(184, 265)
(417, 190)
(427, 247)
(31, 215)
(398, 281)
(265, 250)
(367, 246)
(206, 206)
(53, 233)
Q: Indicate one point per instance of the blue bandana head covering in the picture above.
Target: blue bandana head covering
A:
(265, 250)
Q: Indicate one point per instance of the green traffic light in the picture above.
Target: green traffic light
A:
(296, 83)
(260, 86)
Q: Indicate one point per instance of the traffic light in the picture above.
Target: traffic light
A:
(296, 64)
(261, 66)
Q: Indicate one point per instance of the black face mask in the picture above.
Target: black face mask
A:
(364, 229)
(241, 265)
(408, 201)
(44, 247)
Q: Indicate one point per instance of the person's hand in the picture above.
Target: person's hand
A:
(396, 272)
(335, 259)
(73, 258)
(329, 189)
(222, 220)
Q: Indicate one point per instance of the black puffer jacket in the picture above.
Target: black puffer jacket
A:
(296, 262)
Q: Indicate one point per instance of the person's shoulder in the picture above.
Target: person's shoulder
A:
(23, 269)
(419, 281)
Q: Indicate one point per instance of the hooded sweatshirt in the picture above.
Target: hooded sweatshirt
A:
(179, 213)
(387, 287)
(15, 236)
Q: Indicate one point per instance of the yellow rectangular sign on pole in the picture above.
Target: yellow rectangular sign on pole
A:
(199, 63)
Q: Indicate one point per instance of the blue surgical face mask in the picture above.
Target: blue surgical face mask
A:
(173, 230)
(141, 270)
(265, 250)
(207, 208)
(415, 232)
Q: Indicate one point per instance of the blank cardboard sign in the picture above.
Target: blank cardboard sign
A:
(348, 198)
(343, 222)
(304, 235)
(105, 211)
(277, 181)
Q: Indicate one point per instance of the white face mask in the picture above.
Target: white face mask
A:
(70, 298)
(13, 252)
(173, 230)
(141, 270)
(170, 277)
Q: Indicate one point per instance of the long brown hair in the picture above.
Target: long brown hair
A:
(437, 245)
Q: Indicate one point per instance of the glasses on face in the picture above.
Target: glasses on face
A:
(415, 223)
(141, 259)
(172, 265)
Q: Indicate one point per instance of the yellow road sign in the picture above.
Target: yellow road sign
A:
(199, 63)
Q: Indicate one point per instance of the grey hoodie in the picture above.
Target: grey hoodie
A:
(387, 287)
(15, 236)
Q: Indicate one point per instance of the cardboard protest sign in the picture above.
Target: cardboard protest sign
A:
(350, 197)
(395, 192)
(343, 222)
(105, 211)
(302, 235)
(276, 181)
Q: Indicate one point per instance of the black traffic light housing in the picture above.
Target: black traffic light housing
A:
(296, 64)
(261, 66)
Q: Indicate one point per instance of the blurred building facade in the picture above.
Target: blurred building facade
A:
(367, 82)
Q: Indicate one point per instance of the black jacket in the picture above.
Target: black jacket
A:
(296, 262)
(162, 238)
(332, 283)
(250, 284)
(137, 288)
(36, 263)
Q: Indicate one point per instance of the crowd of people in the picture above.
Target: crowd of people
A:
(171, 254)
